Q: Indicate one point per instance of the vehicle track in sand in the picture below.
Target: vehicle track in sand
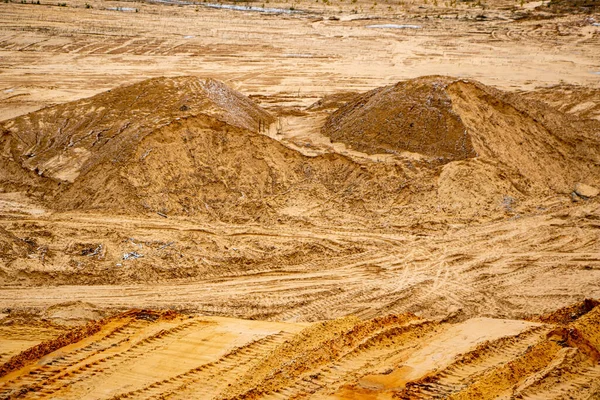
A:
(303, 291)
(491, 269)
(402, 356)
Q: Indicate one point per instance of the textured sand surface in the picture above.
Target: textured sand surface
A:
(345, 200)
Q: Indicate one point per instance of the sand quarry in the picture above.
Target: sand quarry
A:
(337, 199)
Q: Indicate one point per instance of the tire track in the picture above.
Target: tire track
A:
(382, 344)
(108, 365)
(209, 379)
(568, 380)
(462, 372)
(52, 369)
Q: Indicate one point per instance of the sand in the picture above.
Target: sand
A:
(149, 355)
(343, 200)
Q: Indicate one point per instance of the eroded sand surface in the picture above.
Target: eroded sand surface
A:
(334, 200)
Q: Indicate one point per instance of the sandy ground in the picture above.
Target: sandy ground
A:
(47, 59)
(495, 269)
(144, 355)
(322, 303)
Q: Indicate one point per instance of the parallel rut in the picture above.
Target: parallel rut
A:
(98, 358)
(51, 370)
(466, 369)
(208, 380)
(580, 381)
(355, 361)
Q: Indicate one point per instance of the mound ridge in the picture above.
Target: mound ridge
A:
(202, 166)
(543, 149)
(414, 116)
(188, 146)
(178, 146)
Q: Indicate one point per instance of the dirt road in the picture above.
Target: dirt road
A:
(302, 274)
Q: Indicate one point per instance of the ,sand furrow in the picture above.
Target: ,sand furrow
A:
(571, 377)
(51, 369)
(468, 367)
(396, 356)
(368, 353)
(501, 381)
(208, 380)
(72, 369)
(226, 371)
(117, 361)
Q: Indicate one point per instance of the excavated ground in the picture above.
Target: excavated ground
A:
(146, 354)
(281, 211)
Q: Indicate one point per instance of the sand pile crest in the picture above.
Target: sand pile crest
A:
(414, 116)
(181, 146)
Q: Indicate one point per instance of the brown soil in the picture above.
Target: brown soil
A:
(577, 6)
(414, 116)
(212, 158)
(518, 147)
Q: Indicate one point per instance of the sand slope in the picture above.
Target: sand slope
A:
(64, 146)
(195, 147)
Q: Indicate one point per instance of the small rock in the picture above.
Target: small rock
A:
(132, 256)
(586, 191)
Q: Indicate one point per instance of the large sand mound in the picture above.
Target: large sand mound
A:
(81, 154)
(492, 143)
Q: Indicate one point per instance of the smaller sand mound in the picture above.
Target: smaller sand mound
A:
(414, 115)
(494, 145)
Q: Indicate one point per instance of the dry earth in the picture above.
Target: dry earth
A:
(339, 200)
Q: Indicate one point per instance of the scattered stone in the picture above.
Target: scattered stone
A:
(132, 256)
(586, 191)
